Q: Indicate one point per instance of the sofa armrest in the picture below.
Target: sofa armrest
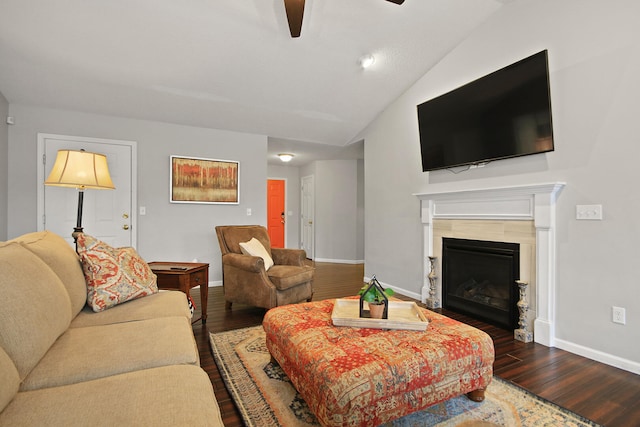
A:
(295, 257)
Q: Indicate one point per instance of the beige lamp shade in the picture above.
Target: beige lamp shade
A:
(80, 169)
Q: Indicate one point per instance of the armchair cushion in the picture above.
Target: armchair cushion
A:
(230, 236)
(254, 248)
(286, 276)
(289, 256)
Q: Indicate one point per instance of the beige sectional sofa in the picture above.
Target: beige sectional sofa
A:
(61, 364)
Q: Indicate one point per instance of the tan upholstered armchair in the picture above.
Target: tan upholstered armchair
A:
(245, 279)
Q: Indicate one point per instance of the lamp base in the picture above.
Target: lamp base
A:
(78, 228)
(76, 232)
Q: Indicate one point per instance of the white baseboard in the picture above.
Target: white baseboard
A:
(589, 353)
(599, 356)
(340, 261)
(212, 284)
(404, 292)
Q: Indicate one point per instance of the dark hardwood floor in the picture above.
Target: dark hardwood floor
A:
(606, 395)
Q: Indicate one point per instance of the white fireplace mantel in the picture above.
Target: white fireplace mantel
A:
(519, 202)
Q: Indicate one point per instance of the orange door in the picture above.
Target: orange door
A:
(275, 212)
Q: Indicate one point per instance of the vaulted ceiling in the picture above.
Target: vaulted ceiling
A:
(228, 64)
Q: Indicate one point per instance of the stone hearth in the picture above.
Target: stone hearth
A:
(503, 205)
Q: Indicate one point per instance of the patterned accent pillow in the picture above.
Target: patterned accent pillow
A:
(113, 275)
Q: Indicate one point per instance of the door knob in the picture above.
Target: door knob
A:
(125, 227)
(125, 216)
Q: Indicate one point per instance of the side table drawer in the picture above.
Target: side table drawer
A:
(199, 278)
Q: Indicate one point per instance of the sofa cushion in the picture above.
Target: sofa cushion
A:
(9, 379)
(58, 254)
(162, 304)
(166, 396)
(254, 248)
(83, 354)
(113, 275)
(34, 309)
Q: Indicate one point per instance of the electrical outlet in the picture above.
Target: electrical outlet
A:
(618, 315)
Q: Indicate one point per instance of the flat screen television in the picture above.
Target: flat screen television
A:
(504, 114)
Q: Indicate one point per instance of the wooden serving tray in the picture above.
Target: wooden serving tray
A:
(402, 315)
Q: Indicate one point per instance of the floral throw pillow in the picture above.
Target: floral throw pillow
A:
(113, 275)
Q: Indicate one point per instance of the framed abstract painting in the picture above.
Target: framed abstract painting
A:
(198, 180)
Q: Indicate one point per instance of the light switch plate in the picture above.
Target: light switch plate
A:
(589, 212)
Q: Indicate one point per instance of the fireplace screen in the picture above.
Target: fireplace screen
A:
(478, 279)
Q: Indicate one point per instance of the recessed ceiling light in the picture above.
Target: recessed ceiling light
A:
(285, 157)
(367, 61)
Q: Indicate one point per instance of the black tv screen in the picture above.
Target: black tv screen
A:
(501, 115)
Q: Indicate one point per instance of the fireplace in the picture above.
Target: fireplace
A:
(506, 205)
(478, 279)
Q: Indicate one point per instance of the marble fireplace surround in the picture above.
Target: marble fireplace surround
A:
(535, 202)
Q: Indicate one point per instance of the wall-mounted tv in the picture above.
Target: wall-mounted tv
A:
(501, 115)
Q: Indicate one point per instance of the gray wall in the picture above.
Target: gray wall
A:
(168, 231)
(594, 60)
(339, 209)
(336, 210)
(360, 211)
(4, 165)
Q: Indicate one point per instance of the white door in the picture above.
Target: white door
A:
(108, 215)
(307, 211)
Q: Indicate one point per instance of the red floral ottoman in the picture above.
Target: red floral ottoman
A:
(365, 377)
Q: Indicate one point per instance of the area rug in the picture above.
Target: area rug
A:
(265, 397)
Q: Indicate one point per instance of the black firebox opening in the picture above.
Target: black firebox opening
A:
(478, 279)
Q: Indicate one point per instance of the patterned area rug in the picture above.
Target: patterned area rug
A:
(266, 398)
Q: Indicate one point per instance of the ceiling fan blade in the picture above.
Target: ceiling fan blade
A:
(396, 1)
(295, 11)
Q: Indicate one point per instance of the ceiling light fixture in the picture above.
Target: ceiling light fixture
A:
(367, 61)
(285, 157)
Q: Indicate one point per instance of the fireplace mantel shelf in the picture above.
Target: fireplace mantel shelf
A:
(548, 187)
(518, 202)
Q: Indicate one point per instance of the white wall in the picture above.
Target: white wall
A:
(292, 189)
(594, 60)
(168, 231)
(4, 165)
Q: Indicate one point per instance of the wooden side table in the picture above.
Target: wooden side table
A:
(184, 276)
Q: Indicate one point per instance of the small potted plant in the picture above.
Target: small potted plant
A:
(376, 297)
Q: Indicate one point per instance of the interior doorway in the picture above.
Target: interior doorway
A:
(276, 218)
(307, 215)
(107, 215)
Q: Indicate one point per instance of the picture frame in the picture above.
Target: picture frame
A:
(201, 180)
